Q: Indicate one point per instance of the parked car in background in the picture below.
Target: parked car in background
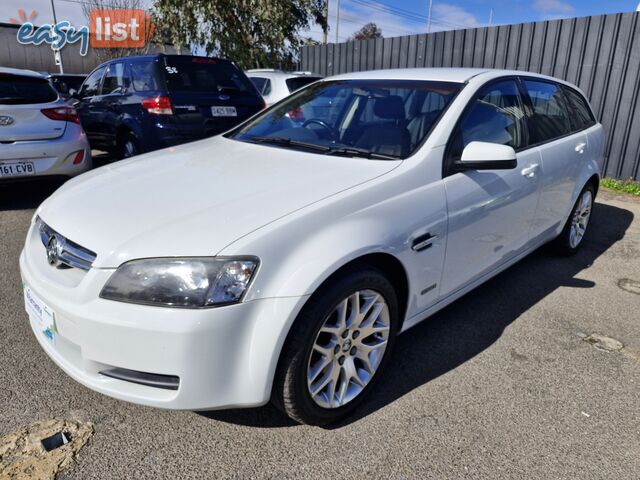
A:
(274, 85)
(280, 260)
(40, 134)
(66, 84)
(138, 104)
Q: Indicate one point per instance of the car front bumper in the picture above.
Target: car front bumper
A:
(224, 357)
(50, 157)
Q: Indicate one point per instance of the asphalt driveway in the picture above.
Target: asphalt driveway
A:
(506, 383)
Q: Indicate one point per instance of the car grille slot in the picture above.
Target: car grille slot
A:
(70, 254)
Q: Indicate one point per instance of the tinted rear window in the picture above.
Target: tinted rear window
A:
(297, 83)
(19, 90)
(200, 74)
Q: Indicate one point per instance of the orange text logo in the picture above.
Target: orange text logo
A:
(120, 28)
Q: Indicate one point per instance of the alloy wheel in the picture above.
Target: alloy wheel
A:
(580, 219)
(348, 349)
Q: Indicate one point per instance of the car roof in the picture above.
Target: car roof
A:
(456, 75)
(19, 71)
(272, 73)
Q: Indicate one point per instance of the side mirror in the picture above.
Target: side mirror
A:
(488, 156)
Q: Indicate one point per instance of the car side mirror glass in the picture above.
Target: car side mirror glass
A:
(488, 156)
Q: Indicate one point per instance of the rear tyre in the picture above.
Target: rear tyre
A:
(337, 348)
(128, 146)
(575, 230)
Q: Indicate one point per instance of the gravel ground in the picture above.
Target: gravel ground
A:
(505, 383)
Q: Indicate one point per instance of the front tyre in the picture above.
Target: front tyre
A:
(337, 348)
(575, 230)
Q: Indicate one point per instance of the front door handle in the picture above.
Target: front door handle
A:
(423, 242)
(530, 171)
(580, 147)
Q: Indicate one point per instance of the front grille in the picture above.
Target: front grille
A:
(67, 253)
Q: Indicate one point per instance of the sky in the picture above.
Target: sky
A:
(395, 18)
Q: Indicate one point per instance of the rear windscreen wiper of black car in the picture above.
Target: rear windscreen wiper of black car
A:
(360, 152)
(290, 142)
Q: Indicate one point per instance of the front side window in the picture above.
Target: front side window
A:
(369, 118)
(91, 86)
(496, 115)
(551, 117)
(296, 83)
(114, 81)
(582, 116)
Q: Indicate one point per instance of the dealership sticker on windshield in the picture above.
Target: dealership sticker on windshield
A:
(42, 315)
(224, 111)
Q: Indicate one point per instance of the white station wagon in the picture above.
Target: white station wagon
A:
(279, 261)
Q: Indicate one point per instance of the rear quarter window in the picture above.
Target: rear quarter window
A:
(582, 116)
(144, 77)
(23, 90)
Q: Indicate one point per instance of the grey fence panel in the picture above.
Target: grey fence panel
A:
(599, 54)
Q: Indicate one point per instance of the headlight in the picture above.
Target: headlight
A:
(181, 282)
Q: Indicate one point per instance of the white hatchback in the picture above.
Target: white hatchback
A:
(280, 261)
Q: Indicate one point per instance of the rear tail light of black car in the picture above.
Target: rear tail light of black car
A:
(158, 105)
(63, 114)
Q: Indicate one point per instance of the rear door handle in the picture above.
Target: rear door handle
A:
(580, 147)
(423, 242)
(530, 171)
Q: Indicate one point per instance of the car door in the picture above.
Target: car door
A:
(89, 92)
(490, 211)
(562, 148)
(114, 93)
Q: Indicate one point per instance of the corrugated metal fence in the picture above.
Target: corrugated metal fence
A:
(599, 54)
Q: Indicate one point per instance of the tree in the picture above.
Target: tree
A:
(253, 33)
(370, 30)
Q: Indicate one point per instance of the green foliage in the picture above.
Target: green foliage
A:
(626, 186)
(253, 33)
(367, 32)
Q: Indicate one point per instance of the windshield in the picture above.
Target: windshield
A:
(380, 119)
(201, 74)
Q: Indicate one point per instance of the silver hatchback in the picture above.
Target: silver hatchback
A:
(40, 134)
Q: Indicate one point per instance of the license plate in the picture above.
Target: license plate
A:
(16, 169)
(224, 112)
(44, 317)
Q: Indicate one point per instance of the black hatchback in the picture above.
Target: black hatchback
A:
(138, 104)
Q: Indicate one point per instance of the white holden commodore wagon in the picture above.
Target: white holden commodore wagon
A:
(280, 260)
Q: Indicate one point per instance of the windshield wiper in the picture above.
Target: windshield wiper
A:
(289, 142)
(360, 152)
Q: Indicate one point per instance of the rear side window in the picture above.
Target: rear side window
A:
(114, 81)
(581, 113)
(296, 83)
(143, 76)
(496, 115)
(551, 116)
(23, 90)
(262, 84)
(91, 86)
(200, 74)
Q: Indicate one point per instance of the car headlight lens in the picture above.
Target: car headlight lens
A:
(181, 282)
